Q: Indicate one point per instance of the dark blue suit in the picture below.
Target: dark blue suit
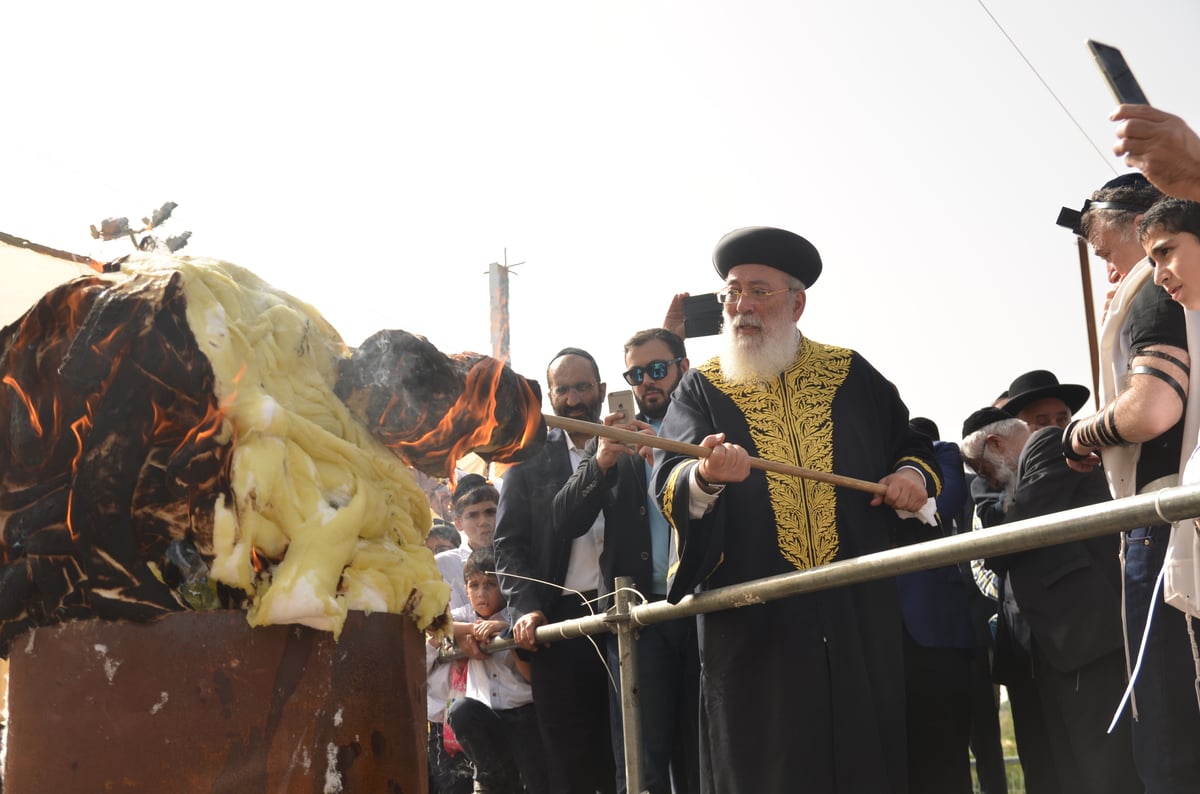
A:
(569, 680)
(942, 640)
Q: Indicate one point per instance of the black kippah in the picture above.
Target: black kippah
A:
(765, 245)
(982, 418)
(466, 484)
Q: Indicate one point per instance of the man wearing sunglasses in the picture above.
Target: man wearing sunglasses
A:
(612, 480)
(806, 691)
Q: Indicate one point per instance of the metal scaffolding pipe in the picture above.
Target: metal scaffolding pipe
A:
(631, 705)
(1161, 507)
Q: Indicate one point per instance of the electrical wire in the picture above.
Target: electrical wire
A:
(1108, 161)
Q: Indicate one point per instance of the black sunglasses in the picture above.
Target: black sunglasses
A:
(657, 370)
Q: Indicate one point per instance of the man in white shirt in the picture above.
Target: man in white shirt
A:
(547, 577)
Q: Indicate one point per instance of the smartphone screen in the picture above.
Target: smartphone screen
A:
(1121, 81)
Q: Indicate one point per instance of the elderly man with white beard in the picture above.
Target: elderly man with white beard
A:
(808, 691)
(1058, 639)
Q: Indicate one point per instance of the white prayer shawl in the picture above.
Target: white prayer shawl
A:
(1181, 568)
(1120, 463)
(1181, 565)
(1180, 575)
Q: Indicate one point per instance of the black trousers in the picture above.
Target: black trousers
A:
(938, 693)
(570, 692)
(504, 745)
(1078, 706)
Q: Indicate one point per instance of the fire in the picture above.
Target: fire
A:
(184, 436)
(80, 428)
(475, 408)
(209, 429)
(94, 491)
(24, 398)
(431, 409)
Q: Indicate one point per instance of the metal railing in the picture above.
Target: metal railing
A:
(1161, 507)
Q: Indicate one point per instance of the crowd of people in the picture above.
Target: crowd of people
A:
(883, 686)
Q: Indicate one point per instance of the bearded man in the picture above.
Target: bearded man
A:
(1058, 637)
(548, 576)
(612, 480)
(806, 691)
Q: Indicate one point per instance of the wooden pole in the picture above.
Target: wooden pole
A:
(1089, 311)
(641, 439)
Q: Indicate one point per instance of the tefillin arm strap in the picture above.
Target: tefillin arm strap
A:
(1158, 373)
(1100, 430)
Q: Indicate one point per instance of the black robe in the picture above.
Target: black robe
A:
(807, 692)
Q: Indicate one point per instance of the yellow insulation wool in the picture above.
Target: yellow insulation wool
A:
(311, 487)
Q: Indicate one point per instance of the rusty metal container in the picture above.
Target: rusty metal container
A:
(202, 702)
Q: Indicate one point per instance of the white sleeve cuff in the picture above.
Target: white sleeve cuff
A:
(700, 502)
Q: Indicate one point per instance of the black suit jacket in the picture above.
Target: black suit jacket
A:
(527, 547)
(1070, 593)
(621, 493)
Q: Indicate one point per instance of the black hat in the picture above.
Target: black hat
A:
(764, 245)
(1040, 383)
(1071, 219)
(925, 426)
(466, 484)
(982, 418)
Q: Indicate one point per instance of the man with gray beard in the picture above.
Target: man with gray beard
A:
(806, 691)
(1058, 638)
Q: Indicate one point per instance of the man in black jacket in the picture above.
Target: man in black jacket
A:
(1069, 595)
(613, 480)
(549, 577)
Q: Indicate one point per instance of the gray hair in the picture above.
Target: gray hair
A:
(972, 446)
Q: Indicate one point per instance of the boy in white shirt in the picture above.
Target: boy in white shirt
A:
(495, 722)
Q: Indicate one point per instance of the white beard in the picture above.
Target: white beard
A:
(1005, 475)
(758, 358)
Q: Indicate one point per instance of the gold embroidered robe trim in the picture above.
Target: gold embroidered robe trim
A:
(805, 510)
(668, 509)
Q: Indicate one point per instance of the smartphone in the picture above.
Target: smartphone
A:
(1120, 79)
(622, 401)
(701, 315)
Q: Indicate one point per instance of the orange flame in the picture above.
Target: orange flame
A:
(80, 427)
(476, 408)
(33, 417)
(211, 424)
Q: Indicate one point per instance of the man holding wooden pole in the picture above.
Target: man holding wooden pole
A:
(806, 691)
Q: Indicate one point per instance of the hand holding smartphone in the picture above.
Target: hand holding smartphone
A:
(622, 401)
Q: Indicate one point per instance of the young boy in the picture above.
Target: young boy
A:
(442, 537)
(495, 722)
(474, 506)
(1170, 234)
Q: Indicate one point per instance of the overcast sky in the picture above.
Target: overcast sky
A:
(374, 158)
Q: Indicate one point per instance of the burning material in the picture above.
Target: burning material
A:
(432, 409)
(173, 439)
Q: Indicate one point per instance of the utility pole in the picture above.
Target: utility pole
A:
(498, 290)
